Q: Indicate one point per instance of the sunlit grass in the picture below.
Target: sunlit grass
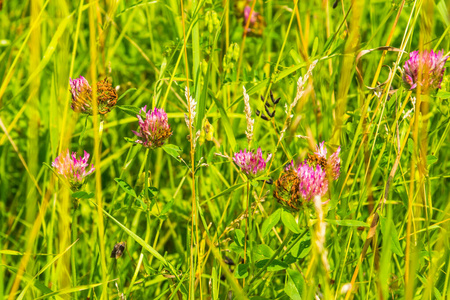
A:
(183, 209)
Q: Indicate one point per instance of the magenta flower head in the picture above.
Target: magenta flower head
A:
(253, 19)
(425, 69)
(154, 129)
(256, 24)
(81, 95)
(251, 163)
(313, 181)
(73, 169)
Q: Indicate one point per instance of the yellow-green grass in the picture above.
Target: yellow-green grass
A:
(387, 219)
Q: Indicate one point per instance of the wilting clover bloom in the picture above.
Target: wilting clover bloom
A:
(82, 96)
(251, 163)
(154, 129)
(425, 69)
(334, 164)
(73, 169)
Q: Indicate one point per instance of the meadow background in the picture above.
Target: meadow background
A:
(387, 233)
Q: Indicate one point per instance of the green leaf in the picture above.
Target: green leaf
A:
(126, 92)
(437, 294)
(392, 234)
(82, 195)
(289, 221)
(315, 46)
(80, 140)
(225, 121)
(131, 140)
(167, 207)
(227, 191)
(431, 159)
(270, 222)
(294, 284)
(295, 56)
(347, 223)
(239, 237)
(153, 191)
(129, 109)
(236, 248)
(241, 271)
(275, 265)
(443, 94)
(172, 150)
(302, 247)
(27, 278)
(264, 250)
(34, 279)
(410, 145)
(126, 187)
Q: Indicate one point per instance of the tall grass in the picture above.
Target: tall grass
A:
(196, 227)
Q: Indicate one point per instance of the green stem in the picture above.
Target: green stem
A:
(250, 222)
(73, 250)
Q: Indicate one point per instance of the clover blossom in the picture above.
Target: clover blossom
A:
(253, 19)
(154, 129)
(313, 181)
(309, 179)
(82, 96)
(72, 169)
(256, 23)
(425, 69)
(251, 163)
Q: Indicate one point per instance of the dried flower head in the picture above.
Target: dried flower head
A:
(72, 169)
(106, 96)
(251, 163)
(82, 96)
(425, 69)
(154, 129)
(334, 164)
